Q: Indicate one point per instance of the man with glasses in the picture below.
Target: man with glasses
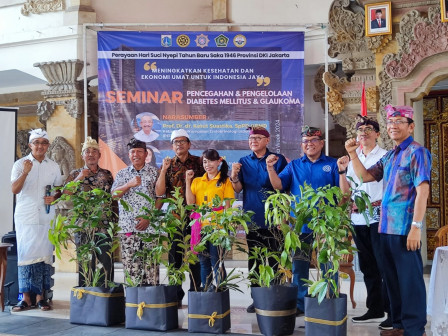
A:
(405, 171)
(313, 168)
(92, 177)
(32, 179)
(172, 175)
(250, 175)
(366, 233)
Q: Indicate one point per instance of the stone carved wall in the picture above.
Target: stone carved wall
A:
(346, 41)
(44, 110)
(334, 95)
(419, 38)
(22, 140)
(63, 154)
(319, 84)
(41, 6)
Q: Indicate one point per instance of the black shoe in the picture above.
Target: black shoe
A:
(299, 312)
(251, 308)
(368, 318)
(386, 324)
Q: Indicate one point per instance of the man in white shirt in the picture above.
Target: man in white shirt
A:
(366, 234)
(32, 179)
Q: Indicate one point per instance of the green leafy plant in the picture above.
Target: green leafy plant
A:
(91, 220)
(222, 232)
(278, 215)
(327, 213)
(167, 227)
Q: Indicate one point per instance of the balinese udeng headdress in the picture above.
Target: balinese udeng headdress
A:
(38, 133)
(311, 131)
(258, 130)
(89, 143)
(134, 143)
(399, 111)
(364, 121)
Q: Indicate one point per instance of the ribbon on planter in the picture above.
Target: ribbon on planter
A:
(140, 306)
(211, 318)
(79, 292)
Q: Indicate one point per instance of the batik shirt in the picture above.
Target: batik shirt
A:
(102, 179)
(402, 170)
(175, 174)
(127, 219)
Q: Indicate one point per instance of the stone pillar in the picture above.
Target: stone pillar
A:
(65, 97)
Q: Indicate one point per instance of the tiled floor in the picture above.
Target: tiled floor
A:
(55, 322)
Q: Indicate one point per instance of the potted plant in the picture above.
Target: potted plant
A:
(151, 307)
(327, 213)
(92, 220)
(273, 294)
(209, 305)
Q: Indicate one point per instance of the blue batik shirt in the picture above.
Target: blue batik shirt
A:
(256, 184)
(402, 169)
(316, 174)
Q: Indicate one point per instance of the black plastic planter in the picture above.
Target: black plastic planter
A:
(97, 306)
(209, 312)
(328, 318)
(276, 309)
(151, 308)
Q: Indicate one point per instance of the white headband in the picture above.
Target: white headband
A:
(37, 133)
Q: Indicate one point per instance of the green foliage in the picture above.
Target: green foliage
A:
(221, 232)
(92, 218)
(167, 227)
(278, 208)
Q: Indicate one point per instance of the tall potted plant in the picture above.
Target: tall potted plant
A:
(92, 220)
(209, 305)
(151, 307)
(327, 214)
(273, 294)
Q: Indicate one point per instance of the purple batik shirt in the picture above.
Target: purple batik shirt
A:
(402, 169)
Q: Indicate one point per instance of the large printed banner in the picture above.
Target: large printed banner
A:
(212, 84)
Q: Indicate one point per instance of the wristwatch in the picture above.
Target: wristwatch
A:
(418, 225)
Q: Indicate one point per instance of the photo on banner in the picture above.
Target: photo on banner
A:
(212, 84)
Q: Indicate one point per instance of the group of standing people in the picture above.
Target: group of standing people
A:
(397, 182)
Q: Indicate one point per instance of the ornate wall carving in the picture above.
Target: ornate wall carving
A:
(334, 95)
(41, 6)
(319, 84)
(347, 40)
(22, 140)
(63, 154)
(418, 39)
(44, 110)
(377, 43)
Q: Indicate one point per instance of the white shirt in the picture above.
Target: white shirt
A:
(373, 189)
(30, 217)
(140, 135)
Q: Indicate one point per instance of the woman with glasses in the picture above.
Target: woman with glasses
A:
(202, 190)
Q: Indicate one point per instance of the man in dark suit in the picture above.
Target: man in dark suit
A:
(378, 22)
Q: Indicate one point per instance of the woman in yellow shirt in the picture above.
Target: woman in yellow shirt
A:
(202, 190)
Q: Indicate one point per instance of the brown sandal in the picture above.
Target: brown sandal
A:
(21, 306)
(43, 305)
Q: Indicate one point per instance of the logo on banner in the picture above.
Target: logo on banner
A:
(202, 41)
(183, 41)
(166, 40)
(221, 41)
(239, 41)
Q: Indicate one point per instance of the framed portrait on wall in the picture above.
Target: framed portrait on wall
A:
(378, 18)
(444, 10)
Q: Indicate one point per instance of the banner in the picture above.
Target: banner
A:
(212, 84)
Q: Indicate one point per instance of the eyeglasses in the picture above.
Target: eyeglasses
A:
(256, 138)
(313, 141)
(366, 130)
(179, 142)
(43, 143)
(397, 122)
